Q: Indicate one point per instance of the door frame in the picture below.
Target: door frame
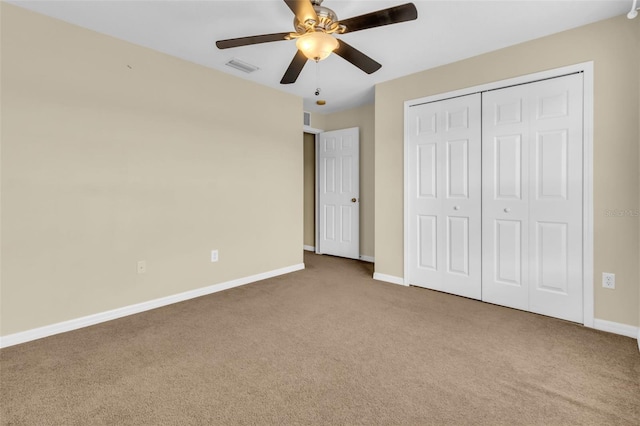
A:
(316, 227)
(586, 68)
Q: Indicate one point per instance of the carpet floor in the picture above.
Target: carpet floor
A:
(326, 345)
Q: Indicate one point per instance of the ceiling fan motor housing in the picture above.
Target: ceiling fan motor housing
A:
(327, 21)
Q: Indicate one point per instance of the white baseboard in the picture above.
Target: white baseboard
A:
(617, 328)
(309, 248)
(388, 278)
(74, 324)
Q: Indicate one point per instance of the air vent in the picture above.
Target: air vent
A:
(307, 119)
(242, 66)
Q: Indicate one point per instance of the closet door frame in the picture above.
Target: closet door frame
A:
(586, 68)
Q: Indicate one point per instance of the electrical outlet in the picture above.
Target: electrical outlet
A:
(142, 266)
(608, 280)
(214, 255)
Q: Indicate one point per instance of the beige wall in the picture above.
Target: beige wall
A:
(309, 142)
(614, 46)
(363, 118)
(317, 121)
(113, 153)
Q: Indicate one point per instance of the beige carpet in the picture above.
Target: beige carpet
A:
(327, 345)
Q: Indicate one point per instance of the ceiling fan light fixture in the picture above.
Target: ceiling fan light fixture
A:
(316, 45)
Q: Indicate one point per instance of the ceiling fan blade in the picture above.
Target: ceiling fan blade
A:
(393, 15)
(357, 58)
(295, 67)
(245, 41)
(303, 9)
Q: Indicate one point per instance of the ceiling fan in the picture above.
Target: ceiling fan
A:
(315, 26)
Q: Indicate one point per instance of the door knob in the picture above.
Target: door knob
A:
(353, 200)
(507, 210)
(456, 207)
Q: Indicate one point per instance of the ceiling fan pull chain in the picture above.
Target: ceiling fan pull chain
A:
(317, 78)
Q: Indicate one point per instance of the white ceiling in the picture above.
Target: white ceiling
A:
(445, 31)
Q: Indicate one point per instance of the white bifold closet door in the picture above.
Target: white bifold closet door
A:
(532, 197)
(444, 196)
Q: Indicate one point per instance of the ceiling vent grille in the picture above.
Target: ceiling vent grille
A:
(306, 120)
(242, 66)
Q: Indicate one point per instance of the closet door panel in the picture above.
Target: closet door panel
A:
(555, 213)
(461, 143)
(532, 174)
(425, 196)
(505, 168)
(444, 196)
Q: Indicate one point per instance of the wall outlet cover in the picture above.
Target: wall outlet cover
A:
(608, 280)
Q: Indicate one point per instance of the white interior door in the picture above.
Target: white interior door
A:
(444, 190)
(532, 197)
(339, 193)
